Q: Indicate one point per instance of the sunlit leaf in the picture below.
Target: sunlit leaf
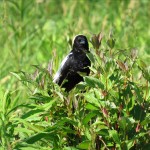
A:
(91, 99)
(84, 145)
(91, 107)
(93, 82)
(88, 117)
(115, 136)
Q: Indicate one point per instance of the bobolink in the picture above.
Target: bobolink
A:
(75, 62)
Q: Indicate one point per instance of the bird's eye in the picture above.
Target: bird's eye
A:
(81, 41)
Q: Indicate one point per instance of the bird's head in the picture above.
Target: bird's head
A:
(80, 44)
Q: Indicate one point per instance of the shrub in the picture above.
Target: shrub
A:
(110, 110)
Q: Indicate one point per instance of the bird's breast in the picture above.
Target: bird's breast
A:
(80, 63)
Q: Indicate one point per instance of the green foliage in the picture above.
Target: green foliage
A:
(109, 110)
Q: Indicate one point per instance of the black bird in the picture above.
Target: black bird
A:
(75, 62)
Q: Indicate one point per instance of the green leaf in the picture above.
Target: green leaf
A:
(91, 57)
(122, 123)
(40, 68)
(84, 145)
(126, 123)
(7, 101)
(25, 146)
(131, 103)
(16, 75)
(31, 114)
(130, 143)
(91, 99)
(111, 42)
(146, 121)
(70, 148)
(88, 117)
(91, 107)
(103, 132)
(143, 68)
(93, 82)
(23, 130)
(41, 98)
(138, 93)
(64, 120)
(39, 136)
(141, 64)
(114, 135)
(140, 110)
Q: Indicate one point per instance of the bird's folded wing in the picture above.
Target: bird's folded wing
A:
(63, 70)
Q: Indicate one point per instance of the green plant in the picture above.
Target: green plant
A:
(113, 113)
(110, 110)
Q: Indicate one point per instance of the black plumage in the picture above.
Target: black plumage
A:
(75, 62)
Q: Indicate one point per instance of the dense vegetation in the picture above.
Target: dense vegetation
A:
(110, 110)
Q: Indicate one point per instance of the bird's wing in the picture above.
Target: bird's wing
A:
(63, 70)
